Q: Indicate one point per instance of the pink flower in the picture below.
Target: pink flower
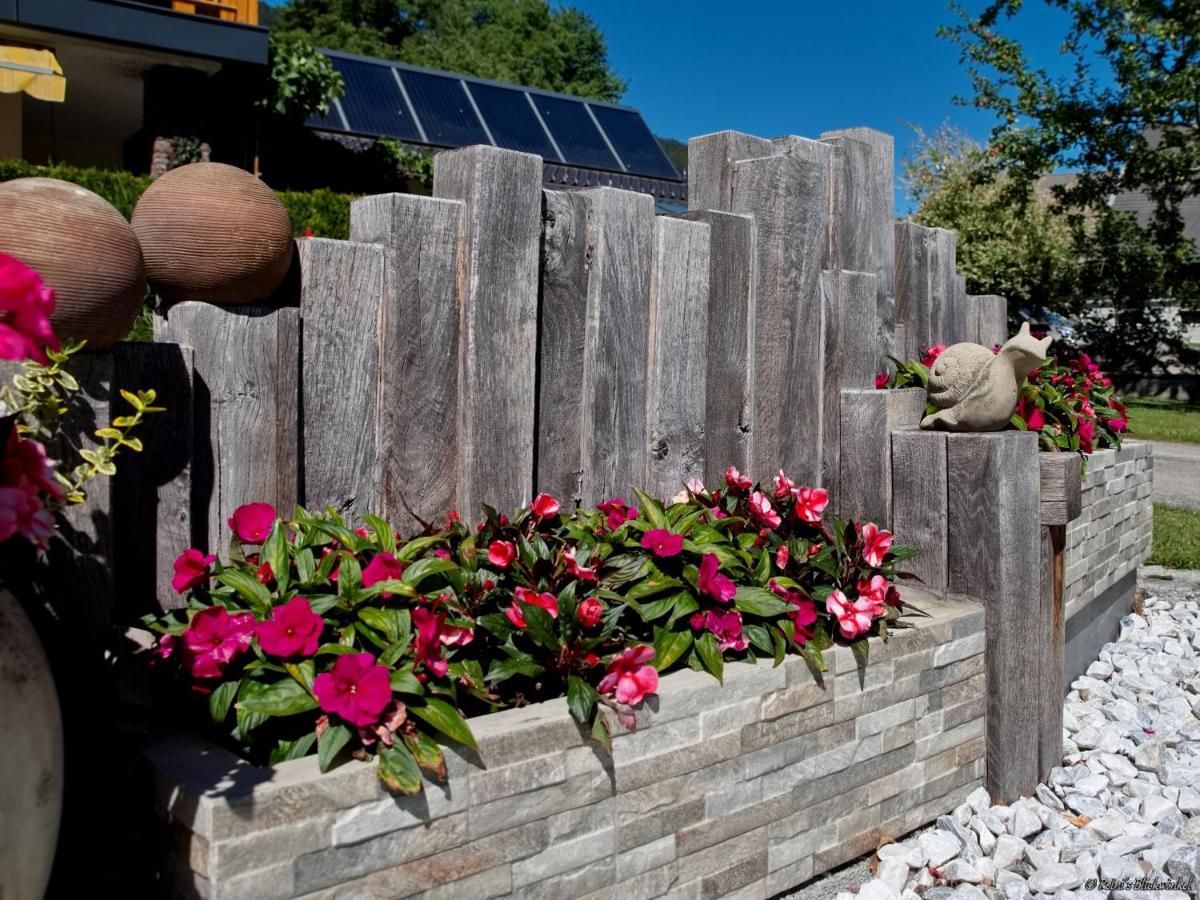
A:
(456, 635)
(26, 304)
(762, 511)
(442, 553)
(853, 618)
(293, 630)
(736, 480)
(930, 354)
(876, 544)
(617, 512)
(21, 512)
(589, 612)
(630, 676)
(783, 486)
(252, 522)
(25, 461)
(427, 639)
(691, 488)
(545, 600)
(583, 573)
(1118, 425)
(874, 589)
(382, 567)
(811, 502)
(213, 639)
(191, 570)
(804, 615)
(710, 581)
(1031, 414)
(544, 506)
(501, 553)
(726, 627)
(356, 688)
(1087, 434)
(881, 380)
(662, 543)
(782, 555)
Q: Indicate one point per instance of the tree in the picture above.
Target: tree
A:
(522, 41)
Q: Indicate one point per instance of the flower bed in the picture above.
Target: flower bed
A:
(756, 784)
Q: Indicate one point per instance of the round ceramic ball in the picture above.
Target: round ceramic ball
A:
(213, 233)
(83, 248)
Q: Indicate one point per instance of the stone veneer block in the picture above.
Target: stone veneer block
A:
(747, 788)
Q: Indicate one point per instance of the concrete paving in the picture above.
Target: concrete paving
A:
(1176, 474)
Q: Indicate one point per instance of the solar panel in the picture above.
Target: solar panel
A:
(444, 109)
(575, 133)
(512, 121)
(331, 121)
(373, 103)
(633, 142)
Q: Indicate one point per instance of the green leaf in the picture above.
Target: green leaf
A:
(760, 602)
(275, 554)
(416, 546)
(861, 649)
(710, 656)
(814, 657)
(760, 638)
(386, 621)
(601, 734)
(539, 625)
(670, 646)
(248, 588)
(428, 754)
(405, 682)
(446, 719)
(283, 698)
(651, 510)
(296, 749)
(654, 583)
(304, 672)
(221, 699)
(581, 699)
(423, 568)
(398, 770)
(383, 534)
(503, 669)
(306, 566)
(330, 743)
(901, 552)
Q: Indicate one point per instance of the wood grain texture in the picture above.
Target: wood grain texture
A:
(788, 195)
(1052, 624)
(943, 285)
(994, 554)
(415, 468)
(967, 316)
(676, 355)
(919, 502)
(865, 476)
(342, 299)
(499, 244)
(245, 410)
(730, 353)
(850, 352)
(958, 324)
(153, 522)
(993, 320)
(711, 158)
(914, 287)
(1062, 487)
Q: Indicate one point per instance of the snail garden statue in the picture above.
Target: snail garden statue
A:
(976, 389)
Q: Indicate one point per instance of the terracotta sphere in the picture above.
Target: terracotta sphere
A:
(83, 248)
(213, 233)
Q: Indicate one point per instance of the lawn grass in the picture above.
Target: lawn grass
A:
(1176, 538)
(1163, 420)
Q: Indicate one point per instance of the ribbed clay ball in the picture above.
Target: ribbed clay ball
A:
(83, 248)
(214, 233)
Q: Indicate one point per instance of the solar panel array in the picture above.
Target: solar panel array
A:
(445, 110)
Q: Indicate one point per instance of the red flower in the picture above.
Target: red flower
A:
(427, 639)
(630, 676)
(589, 612)
(213, 639)
(382, 567)
(783, 486)
(357, 689)
(293, 630)
(1087, 434)
(853, 619)
(191, 570)
(583, 573)
(876, 544)
(252, 522)
(1031, 413)
(710, 581)
(736, 480)
(762, 511)
(26, 303)
(662, 543)
(881, 380)
(782, 555)
(811, 502)
(617, 512)
(501, 553)
(726, 627)
(874, 590)
(544, 506)
(930, 354)
(1118, 425)
(25, 461)
(546, 601)
(22, 512)
(308, 232)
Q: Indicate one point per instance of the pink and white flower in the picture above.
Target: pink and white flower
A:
(876, 544)
(630, 676)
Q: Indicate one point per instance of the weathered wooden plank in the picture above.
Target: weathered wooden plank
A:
(913, 274)
(414, 468)
(919, 502)
(868, 417)
(245, 410)
(966, 314)
(498, 256)
(676, 355)
(849, 353)
(994, 554)
(342, 299)
(788, 197)
(943, 284)
(1062, 488)
(727, 411)
(993, 320)
(1052, 633)
(152, 524)
(711, 158)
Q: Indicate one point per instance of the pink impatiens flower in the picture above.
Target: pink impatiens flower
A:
(854, 618)
(252, 522)
(583, 573)
(544, 506)
(661, 542)
(213, 639)
(427, 639)
(736, 480)
(617, 512)
(782, 555)
(382, 567)
(24, 462)
(710, 581)
(589, 612)
(293, 630)
(881, 380)
(726, 627)
(191, 570)
(357, 689)
(1031, 414)
(21, 512)
(546, 600)
(876, 544)
(762, 511)
(875, 590)
(630, 676)
(1118, 425)
(1087, 434)
(930, 354)
(501, 553)
(783, 486)
(26, 304)
(810, 503)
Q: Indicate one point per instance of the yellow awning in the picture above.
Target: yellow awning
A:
(36, 72)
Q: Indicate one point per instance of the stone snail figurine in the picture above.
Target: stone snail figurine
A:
(976, 389)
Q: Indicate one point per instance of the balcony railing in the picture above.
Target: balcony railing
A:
(245, 11)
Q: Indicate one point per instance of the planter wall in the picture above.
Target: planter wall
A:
(754, 786)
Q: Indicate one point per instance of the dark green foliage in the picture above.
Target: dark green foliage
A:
(676, 152)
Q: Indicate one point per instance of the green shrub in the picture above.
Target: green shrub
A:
(322, 210)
